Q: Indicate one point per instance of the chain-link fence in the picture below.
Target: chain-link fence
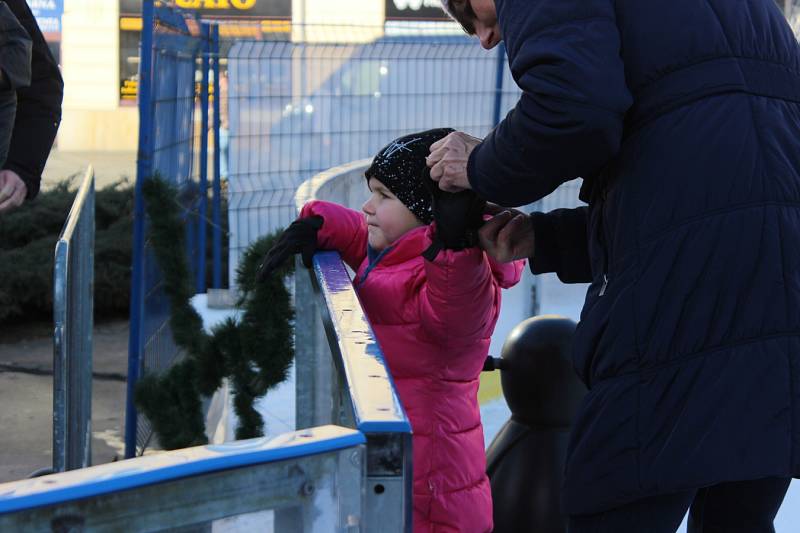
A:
(288, 102)
(791, 9)
(300, 107)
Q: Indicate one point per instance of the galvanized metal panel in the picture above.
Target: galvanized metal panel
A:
(73, 318)
(317, 472)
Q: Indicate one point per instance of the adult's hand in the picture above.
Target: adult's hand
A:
(495, 209)
(12, 190)
(508, 236)
(448, 161)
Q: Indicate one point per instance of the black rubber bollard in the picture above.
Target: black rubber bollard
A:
(525, 461)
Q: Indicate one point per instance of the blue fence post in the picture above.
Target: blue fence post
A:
(144, 168)
(201, 219)
(216, 209)
(498, 82)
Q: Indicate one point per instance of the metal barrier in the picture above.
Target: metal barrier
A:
(173, 144)
(73, 295)
(343, 379)
(341, 376)
(311, 480)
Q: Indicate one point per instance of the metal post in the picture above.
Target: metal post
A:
(216, 208)
(498, 83)
(315, 375)
(60, 340)
(201, 219)
(144, 168)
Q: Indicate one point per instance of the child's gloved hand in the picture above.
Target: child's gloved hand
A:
(299, 238)
(458, 217)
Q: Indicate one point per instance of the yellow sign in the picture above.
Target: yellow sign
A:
(244, 5)
(129, 89)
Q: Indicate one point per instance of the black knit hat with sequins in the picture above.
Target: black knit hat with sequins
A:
(400, 166)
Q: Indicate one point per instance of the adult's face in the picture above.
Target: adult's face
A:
(485, 23)
(477, 17)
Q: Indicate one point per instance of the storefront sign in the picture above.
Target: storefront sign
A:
(222, 8)
(250, 19)
(415, 10)
(48, 16)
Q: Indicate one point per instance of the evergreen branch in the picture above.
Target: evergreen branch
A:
(254, 354)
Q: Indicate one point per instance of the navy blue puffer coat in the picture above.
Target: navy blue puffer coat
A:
(683, 118)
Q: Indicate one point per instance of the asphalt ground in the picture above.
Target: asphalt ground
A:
(26, 396)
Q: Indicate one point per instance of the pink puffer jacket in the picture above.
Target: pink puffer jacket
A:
(433, 321)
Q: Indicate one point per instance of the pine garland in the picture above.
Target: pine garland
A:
(254, 353)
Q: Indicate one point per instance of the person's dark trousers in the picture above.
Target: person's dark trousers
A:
(736, 507)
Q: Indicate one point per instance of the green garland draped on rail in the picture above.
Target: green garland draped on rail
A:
(253, 352)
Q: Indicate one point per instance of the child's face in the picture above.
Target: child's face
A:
(388, 218)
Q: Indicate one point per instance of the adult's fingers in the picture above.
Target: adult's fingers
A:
(449, 177)
(438, 144)
(449, 185)
(508, 232)
(6, 189)
(493, 209)
(500, 235)
(492, 227)
(437, 170)
(511, 236)
(15, 199)
(436, 155)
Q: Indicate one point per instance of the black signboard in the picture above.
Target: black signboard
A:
(415, 10)
(260, 9)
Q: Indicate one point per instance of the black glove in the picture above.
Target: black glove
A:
(458, 217)
(299, 238)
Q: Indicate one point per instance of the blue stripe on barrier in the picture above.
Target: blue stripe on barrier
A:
(375, 402)
(169, 466)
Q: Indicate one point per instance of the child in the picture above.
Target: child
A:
(432, 297)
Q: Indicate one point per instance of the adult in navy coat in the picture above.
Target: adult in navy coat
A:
(30, 105)
(683, 119)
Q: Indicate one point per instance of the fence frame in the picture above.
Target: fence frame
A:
(148, 158)
(144, 169)
(73, 319)
(216, 201)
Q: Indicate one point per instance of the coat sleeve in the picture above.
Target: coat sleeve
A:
(565, 56)
(38, 107)
(459, 300)
(343, 230)
(562, 244)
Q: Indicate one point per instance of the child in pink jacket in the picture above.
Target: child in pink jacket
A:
(432, 297)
